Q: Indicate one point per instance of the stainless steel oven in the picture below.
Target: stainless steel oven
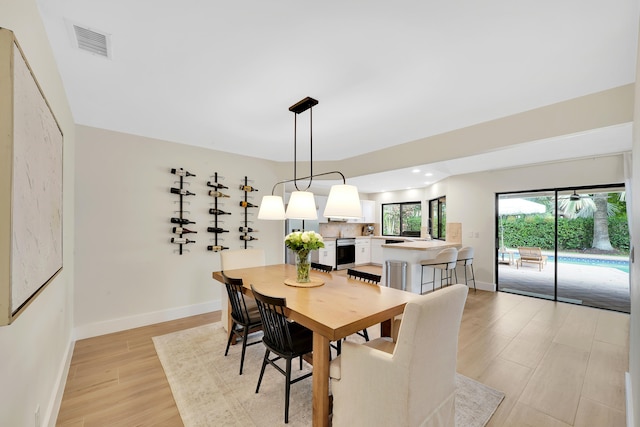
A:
(345, 253)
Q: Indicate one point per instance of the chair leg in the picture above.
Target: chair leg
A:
(365, 334)
(473, 277)
(287, 390)
(421, 278)
(264, 365)
(434, 279)
(231, 335)
(245, 335)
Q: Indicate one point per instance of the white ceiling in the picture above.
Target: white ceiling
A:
(222, 75)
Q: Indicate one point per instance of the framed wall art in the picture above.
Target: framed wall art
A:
(31, 144)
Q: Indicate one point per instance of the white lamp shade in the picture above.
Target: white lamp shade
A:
(343, 202)
(271, 207)
(302, 205)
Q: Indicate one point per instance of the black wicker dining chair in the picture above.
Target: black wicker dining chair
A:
(368, 278)
(287, 340)
(244, 314)
(364, 276)
(321, 267)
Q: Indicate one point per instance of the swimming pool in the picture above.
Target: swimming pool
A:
(622, 265)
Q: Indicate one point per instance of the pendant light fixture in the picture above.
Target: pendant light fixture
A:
(343, 200)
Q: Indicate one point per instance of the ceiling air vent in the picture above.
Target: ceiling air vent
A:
(92, 41)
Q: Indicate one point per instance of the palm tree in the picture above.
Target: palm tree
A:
(596, 206)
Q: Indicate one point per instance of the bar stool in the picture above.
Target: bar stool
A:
(465, 259)
(445, 261)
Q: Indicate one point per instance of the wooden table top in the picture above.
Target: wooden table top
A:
(340, 307)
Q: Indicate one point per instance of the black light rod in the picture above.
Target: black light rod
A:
(344, 181)
(303, 105)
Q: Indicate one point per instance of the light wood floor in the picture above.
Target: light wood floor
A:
(558, 364)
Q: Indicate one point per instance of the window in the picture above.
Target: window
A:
(401, 219)
(438, 218)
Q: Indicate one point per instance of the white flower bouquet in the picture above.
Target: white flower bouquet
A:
(304, 241)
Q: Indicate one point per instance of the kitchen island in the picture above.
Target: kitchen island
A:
(413, 252)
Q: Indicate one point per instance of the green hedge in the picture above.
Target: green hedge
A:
(573, 234)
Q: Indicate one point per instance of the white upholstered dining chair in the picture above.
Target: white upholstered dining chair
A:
(407, 383)
(231, 260)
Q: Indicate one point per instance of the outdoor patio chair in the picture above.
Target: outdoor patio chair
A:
(531, 255)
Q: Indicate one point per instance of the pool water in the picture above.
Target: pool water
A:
(622, 265)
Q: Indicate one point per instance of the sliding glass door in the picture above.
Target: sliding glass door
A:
(526, 228)
(569, 245)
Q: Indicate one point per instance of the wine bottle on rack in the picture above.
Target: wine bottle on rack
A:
(181, 241)
(181, 172)
(217, 194)
(216, 248)
(181, 221)
(182, 192)
(248, 205)
(246, 230)
(216, 230)
(248, 238)
(215, 185)
(248, 188)
(182, 230)
(213, 211)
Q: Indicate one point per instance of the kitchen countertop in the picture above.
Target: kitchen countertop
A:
(404, 238)
(422, 245)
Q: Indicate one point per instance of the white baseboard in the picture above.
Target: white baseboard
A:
(51, 414)
(629, 399)
(144, 319)
(484, 286)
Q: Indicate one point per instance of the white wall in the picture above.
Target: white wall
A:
(35, 348)
(127, 273)
(471, 198)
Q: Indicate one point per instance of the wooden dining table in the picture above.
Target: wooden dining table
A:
(341, 306)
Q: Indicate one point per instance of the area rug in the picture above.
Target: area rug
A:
(209, 392)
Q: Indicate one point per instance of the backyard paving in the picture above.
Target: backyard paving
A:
(593, 286)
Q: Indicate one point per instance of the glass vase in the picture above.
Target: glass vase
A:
(303, 265)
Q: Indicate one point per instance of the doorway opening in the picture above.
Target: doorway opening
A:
(565, 244)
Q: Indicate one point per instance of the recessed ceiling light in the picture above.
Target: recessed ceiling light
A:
(428, 174)
(415, 170)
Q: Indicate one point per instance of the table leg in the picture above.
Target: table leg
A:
(385, 328)
(320, 380)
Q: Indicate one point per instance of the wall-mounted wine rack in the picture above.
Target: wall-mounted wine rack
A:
(216, 212)
(180, 221)
(245, 229)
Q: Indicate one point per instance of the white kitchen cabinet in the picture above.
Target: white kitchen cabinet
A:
(327, 255)
(376, 251)
(368, 211)
(363, 250)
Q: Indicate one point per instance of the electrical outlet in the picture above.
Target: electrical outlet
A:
(477, 234)
(37, 416)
